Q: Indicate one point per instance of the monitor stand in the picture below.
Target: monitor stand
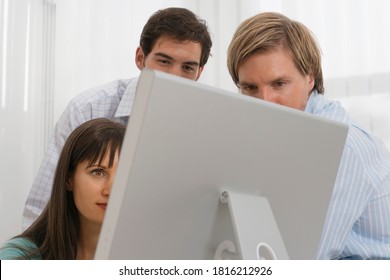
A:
(257, 234)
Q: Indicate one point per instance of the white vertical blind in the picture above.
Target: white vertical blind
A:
(48, 64)
(4, 51)
(21, 144)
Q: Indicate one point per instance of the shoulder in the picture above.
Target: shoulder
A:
(112, 90)
(99, 102)
(17, 248)
(359, 138)
(368, 151)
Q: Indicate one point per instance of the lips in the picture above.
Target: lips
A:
(102, 205)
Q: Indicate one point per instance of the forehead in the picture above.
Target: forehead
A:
(273, 63)
(173, 47)
(105, 156)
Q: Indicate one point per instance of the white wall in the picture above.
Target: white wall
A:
(50, 50)
(20, 119)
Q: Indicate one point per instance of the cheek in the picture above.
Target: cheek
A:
(82, 194)
(85, 205)
(192, 76)
(150, 63)
(80, 199)
(297, 98)
(301, 99)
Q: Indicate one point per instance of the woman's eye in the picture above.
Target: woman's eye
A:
(98, 172)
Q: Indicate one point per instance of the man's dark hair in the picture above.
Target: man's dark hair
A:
(180, 24)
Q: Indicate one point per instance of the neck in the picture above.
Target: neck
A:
(89, 236)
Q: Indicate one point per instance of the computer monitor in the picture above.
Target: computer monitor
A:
(206, 173)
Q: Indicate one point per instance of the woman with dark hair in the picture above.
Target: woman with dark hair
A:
(70, 224)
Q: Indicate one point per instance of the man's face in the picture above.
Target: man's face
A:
(273, 77)
(174, 57)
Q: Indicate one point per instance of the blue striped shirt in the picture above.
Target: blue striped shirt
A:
(357, 225)
(113, 100)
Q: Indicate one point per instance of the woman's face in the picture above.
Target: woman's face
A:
(91, 186)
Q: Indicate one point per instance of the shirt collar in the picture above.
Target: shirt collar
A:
(126, 103)
(314, 102)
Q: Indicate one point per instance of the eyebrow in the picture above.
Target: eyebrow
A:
(277, 79)
(94, 165)
(244, 83)
(171, 58)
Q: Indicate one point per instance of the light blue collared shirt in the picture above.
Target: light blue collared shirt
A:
(358, 220)
(113, 100)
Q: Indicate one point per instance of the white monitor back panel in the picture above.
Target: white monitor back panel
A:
(186, 142)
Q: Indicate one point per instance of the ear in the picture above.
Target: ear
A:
(199, 73)
(69, 184)
(311, 82)
(140, 58)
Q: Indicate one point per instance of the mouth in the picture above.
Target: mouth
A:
(102, 205)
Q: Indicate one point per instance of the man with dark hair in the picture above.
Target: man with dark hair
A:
(174, 40)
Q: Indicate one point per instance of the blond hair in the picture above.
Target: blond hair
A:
(267, 31)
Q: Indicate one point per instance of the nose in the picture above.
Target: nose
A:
(176, 70)
(107, 186)
(268, 95)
